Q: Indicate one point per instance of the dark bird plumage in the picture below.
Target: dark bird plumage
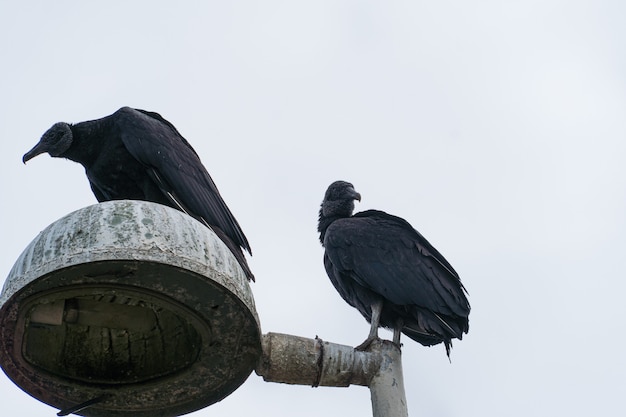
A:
(389, 272)
(138, 155)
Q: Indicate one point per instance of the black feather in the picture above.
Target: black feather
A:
(138, 155)
(373, 256)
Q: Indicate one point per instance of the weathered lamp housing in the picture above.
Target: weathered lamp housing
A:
(133, 305)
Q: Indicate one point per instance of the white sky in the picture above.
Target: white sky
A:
(497, 128)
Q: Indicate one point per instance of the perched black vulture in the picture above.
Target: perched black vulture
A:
(388, 271)
(138, 155)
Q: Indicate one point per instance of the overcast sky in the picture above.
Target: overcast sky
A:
(496, 128)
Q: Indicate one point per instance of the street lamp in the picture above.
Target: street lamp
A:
(128, 308)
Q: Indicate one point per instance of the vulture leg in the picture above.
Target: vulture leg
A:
(377, 308)
(397, 331)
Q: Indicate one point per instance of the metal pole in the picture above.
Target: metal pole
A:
(387, 385)
(297, 360)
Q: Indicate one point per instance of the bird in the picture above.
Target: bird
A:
(135, 154)
(390, 273)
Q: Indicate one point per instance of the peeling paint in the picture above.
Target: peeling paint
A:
(141, 254)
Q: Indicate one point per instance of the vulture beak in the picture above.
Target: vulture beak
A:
(37, 150)
(355, 195)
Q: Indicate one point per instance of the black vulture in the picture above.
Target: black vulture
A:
(388, 271)
(138, 155)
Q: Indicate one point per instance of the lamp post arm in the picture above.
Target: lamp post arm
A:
(297, 360)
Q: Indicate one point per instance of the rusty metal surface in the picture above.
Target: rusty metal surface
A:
(298, 360)
(130, 302)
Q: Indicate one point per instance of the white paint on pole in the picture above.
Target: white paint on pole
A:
(387, 385)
